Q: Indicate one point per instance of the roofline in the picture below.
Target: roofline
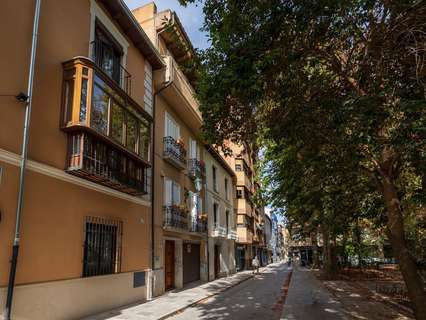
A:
(119, 10)
(176, 20)
(219, 158)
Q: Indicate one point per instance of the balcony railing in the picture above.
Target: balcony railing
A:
(113, 68)
(232, 235)
(93, 159)
(175, 217)
(173, 73)
(174, 153)
(219, 231)
(198, 225)
(196, 168)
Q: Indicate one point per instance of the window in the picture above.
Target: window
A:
(107, 53)
(102, 246)
(226, 189)
(172, 192)
(194, 151)
(131, 129)
(123, 123)
(227, 221)
(172, 129)
(99, 116)
(214, 178)
(117, 121)
(238, 167)
(215, 209)
(239, 194)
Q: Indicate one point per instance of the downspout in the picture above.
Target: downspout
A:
(23, 164)
(206, 210)
(167, 84)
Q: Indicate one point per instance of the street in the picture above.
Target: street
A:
(257, 298)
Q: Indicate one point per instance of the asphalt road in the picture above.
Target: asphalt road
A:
(258, 298)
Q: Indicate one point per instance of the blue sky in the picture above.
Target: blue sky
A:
(191, 17)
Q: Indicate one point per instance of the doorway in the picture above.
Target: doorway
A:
(216, 261)
(191, 262)
(169, 265)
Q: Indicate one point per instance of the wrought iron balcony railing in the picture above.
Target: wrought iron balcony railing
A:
(219, 231)
(111, 67)
(175, 217)
(232, 234)
(91, 158)
(196, 168)
(174, 153)
(198, 225)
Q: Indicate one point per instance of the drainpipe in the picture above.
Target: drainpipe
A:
(166, 85)
(24, 155)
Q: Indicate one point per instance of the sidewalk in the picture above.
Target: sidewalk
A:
(307, 299)
(174, 301)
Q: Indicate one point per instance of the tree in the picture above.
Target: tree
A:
(314, 74)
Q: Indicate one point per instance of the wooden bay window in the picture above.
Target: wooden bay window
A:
(109, 133)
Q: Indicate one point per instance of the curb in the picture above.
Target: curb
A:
(250, 276)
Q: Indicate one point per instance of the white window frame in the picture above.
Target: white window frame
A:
(148, 85)
(168, 118)
(194, 150)
(168, 193)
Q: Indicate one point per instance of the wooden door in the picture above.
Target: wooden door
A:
(169, 264)
(216, 262)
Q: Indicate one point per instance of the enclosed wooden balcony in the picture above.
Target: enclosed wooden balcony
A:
(109, 134)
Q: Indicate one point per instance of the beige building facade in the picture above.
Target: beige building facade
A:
(180, 245)
(220, 195)
(85, 237)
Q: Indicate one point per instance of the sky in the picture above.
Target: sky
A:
(191, 17)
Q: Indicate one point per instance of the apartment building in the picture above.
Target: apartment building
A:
(180, 254)
(220, 195)
(250, 218)
(85, 236)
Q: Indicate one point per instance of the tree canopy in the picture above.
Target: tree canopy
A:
(334, 91)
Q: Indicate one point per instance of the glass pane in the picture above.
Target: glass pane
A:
(131, 132)
(117, 121)
(83, 101)
(69, 95)
(99, 114)
(144, 139)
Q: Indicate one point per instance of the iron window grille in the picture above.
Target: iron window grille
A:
(102, 246)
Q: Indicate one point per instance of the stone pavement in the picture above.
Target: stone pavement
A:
(174, 301)
(307, 299)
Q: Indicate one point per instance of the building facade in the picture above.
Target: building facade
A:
(85, 236)
(180, 228)
(250, 218)
(220, 194)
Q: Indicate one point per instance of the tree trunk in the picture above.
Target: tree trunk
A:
(315, 257)
(407, 263)
(329, 255)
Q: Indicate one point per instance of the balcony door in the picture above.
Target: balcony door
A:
(108, 53)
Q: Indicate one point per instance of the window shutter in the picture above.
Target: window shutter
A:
(176, 193)
(168, 192)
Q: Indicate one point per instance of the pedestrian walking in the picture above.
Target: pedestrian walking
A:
(255, 264)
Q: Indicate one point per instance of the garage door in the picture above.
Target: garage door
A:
(191, 262)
